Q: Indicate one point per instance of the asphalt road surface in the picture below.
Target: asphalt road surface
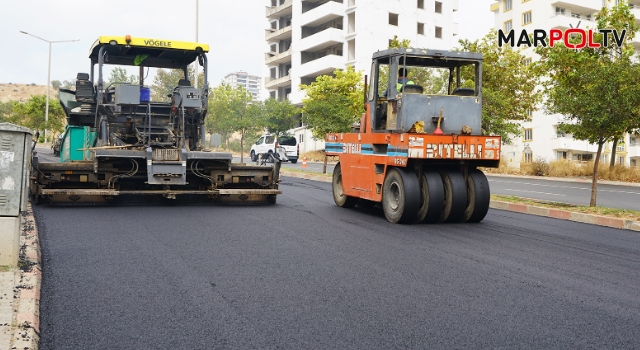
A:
(611, 196)
(305, 274)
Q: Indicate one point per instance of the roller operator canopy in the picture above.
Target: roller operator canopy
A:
(147, 52)
(425, 57)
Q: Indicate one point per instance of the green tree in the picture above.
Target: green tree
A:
(31, 114)
(167, 79)
(595, 88)
(6, 110)
(69, 84)
(333, 103)
(396, 43)
(56, 84)
(434, 81)
(119, 75)
(233, 110)
(279, 116)
(508, 86)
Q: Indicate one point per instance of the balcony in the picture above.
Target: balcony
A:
(570, 144)
(277, 35)
(326, 38)
(566, 21)
(275, 12)
(322, 14)
(633, 151)
(581, 6)
(273, 59)
(274, 83)
(325, 65)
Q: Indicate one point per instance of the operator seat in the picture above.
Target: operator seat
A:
(85, 91)
(411, 89)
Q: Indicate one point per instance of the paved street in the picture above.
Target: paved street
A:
(305, 274)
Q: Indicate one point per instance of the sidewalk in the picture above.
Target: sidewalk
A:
(624, 224)
(20, 292)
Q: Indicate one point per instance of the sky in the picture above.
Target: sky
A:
(234, 30)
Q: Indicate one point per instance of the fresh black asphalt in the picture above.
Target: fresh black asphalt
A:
(305, 274)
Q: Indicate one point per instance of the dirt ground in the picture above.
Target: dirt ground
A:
(22, 92)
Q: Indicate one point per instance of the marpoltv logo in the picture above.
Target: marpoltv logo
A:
(556, 35)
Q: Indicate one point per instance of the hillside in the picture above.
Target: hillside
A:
(22, 92)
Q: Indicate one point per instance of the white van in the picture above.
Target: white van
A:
(267, 144)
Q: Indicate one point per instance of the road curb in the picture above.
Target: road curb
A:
(26, 329)
(592, 219)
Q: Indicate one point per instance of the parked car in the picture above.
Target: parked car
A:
(267, 144)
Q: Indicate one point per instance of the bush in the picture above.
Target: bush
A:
(318, 156)
(538, 167)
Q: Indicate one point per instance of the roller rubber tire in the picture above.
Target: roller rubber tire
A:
(431, 197)
(479, 196)
(455, 196)
(339, 197)
(400, 196)
(271, 198)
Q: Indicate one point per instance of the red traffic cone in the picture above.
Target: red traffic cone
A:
(304, 161)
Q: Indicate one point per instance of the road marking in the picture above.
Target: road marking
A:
(551, 194)
(569, 187)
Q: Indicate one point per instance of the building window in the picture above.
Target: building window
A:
(528, 157)
(632, 141)
(508, 25)
(560, 155)
(439, 32)
(507, 5)
(527, 61)
(560, 11)
(560, 133)
(421, 4)
(393, 19)
(621, 161)
(526, 18)
(633, 162)
(421, 28)
(438, 7)
(529, 113)
(301, 138)
(620, 147)
(528, 134)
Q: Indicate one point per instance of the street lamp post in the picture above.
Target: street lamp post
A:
(46, 111)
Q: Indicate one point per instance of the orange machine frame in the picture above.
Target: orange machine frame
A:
(365, 156)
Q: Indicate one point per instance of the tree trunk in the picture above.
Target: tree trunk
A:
(324, 168)
(613, 153)
(594, 179)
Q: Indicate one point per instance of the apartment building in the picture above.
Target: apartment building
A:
(540, 137)
(253, 83)
(309, 38)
